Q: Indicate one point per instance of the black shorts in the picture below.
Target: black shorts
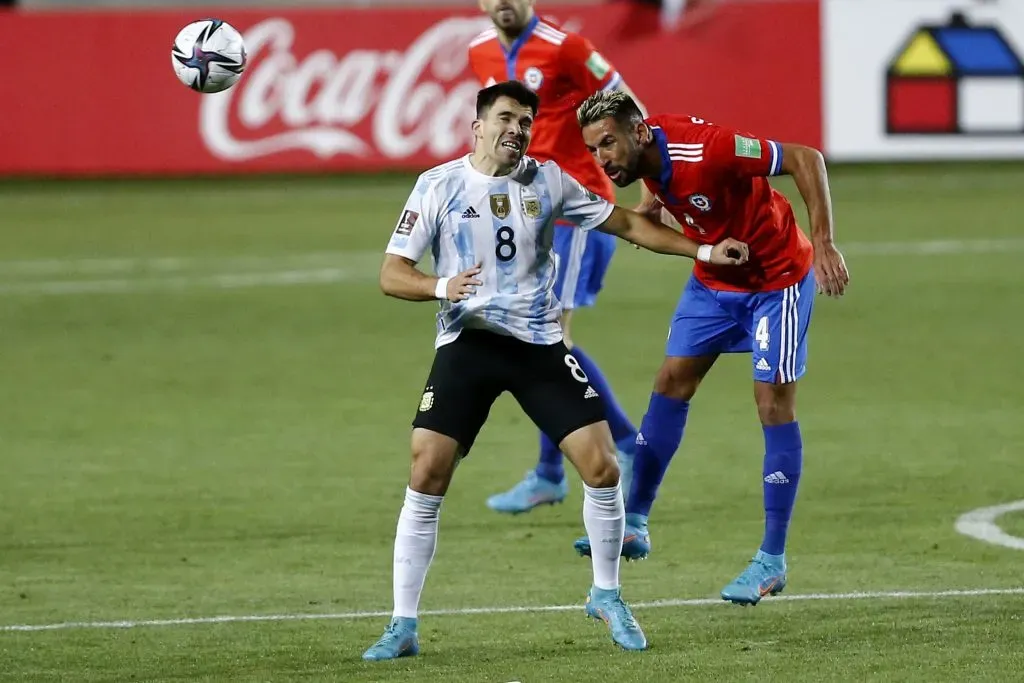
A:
(470, 373)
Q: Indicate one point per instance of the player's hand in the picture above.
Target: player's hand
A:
(668, 219)
(653, 210)
(650, 209)
(464, 285)
(730, 252)
(830, 270)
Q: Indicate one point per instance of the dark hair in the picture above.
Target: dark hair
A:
(612, 104)
(513, 90)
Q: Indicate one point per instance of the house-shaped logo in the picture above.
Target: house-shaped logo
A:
(955, 79)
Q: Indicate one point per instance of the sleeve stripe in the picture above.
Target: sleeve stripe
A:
(614, 82)
(598, 219)
(775, 155)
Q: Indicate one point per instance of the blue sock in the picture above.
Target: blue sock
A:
(622, 429)
(550, 466)
(627, 446)
(660, 435)
(783, 460)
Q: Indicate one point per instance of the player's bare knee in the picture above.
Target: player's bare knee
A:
(591, 450)
(603, 471)
(433, 463)
(776, 403)
(431, 472)
(676, 380)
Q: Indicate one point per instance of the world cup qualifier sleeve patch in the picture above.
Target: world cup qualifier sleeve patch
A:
(597, 65)
(748, 147)
(407, 222)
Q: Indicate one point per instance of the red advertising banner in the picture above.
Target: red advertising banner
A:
(361, 90)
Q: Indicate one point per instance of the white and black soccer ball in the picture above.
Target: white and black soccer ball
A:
(208, 55)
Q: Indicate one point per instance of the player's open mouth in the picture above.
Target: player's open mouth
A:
(614, 175)
(512, 145)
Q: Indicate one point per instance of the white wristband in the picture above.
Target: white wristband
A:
(704, 253)
(441, 290)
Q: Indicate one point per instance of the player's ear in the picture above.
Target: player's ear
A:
(475, 127)
(642, 133)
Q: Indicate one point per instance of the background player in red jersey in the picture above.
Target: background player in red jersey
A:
(563, 69)
(713, 180)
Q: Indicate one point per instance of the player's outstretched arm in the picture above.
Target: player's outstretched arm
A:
(400, 278)
(807, 167)
(641, 231)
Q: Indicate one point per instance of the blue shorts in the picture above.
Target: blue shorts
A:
(583, 259)
(770, 325)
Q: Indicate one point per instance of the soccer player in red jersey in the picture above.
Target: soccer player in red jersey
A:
(714, 181)
(564, 69)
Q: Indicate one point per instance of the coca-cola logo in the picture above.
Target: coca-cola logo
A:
(388, 102)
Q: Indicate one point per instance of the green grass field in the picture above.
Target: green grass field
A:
(205, 413)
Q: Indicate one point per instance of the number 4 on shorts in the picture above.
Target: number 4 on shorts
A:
(761, 334)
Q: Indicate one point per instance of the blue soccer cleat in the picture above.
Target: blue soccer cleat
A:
(399, 640)
(765, 575)
(636, 541)
(607, 605)
(528, 494)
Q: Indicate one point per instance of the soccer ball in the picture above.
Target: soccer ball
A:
(208, 56)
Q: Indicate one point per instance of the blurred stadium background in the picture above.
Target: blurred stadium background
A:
(205, 398)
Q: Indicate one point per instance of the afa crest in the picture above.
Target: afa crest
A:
(531, 207)
(501, 206)
(427, 401)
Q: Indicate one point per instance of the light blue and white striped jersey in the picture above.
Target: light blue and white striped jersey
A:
(506, 224)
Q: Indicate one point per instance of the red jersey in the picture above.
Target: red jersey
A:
(563, 69)
(714, 182)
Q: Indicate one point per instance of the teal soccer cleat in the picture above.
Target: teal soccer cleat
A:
(636, 541)
(765, 575)
(528, 494)
(399, 640)
(607, 605)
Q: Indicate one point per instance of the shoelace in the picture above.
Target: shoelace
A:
(524, 485)
(625, 616)
(391, 630)
(747, 577)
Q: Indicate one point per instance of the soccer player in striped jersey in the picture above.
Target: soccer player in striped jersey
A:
(714, 181)
(488, 221)
(563, 68)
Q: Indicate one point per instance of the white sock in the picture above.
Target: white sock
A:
(604, 516)
(415, 541)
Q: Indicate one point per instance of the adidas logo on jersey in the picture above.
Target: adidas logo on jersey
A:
(763, 366)
(776, 478)
(470, 213)
(590, 393)
(640, 440)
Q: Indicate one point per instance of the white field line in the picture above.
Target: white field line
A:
(110, 266)
(175, 273)
(172, 264)
(981, 524)
(350, 616)
(214, 281)
(933, 247)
